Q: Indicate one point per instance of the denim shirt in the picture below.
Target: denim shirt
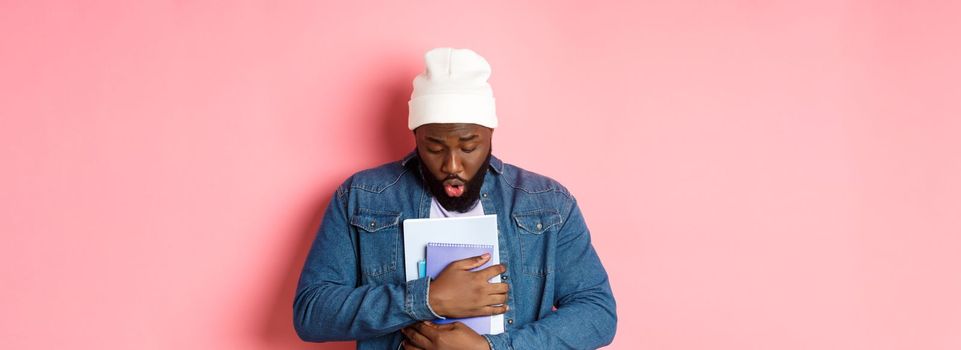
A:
(353, 287)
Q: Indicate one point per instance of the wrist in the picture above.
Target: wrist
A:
(433, 304)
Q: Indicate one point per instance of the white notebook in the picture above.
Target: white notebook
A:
(463, 230)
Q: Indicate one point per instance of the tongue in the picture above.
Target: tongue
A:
(454, 191)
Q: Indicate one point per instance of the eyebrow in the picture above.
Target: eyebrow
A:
(462, 138)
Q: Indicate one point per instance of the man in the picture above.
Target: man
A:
(554, 292)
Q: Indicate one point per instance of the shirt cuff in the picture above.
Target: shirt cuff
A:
(498, 341)
(415, 302)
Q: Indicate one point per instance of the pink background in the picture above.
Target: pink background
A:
(756, 175)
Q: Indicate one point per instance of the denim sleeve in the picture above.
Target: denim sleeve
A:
(586, 316)
(330, 305)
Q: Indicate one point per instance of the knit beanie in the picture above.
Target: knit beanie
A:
(452, 89)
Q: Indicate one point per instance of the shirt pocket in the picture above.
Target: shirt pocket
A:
(534, 228)
(378, 236)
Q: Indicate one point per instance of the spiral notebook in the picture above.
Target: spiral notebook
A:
(439, 255)
(463, 230)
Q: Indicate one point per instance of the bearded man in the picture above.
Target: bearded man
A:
(554, 292)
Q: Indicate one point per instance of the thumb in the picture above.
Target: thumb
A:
(447, 326)
(459, 326)
(473, 262)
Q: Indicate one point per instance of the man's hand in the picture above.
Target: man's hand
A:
(458, 292)
(429, 336)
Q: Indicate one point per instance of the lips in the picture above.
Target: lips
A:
(454, 188)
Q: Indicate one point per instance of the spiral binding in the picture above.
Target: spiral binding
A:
(459, 245)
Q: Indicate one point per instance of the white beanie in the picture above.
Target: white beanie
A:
(453, 89)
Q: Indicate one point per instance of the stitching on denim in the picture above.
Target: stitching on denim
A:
(375, 190)
(408, 303)
(551, 213)
(371, 213)
(528, 191)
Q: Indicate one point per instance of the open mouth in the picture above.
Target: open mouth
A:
(454, 188)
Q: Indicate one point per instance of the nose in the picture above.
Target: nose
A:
(452, 165)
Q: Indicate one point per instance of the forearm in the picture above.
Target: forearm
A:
(328, 311)
(587, 321)
(331, 304)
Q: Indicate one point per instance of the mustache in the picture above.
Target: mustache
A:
(453, 177)
(471, 188)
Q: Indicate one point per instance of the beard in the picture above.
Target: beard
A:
(472, 188)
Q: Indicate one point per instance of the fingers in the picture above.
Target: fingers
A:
(495, 310)
(426, 329)
(415, 337)
(492, 271)
(495, 299)
(446, 327)
(472, 262)
(408, 346)
(498, 288)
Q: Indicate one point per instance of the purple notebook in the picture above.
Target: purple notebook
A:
(439, 255)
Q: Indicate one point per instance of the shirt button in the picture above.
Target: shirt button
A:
(372, 224)
(539, 226)
(485, 195)
(503, 277)
(510, 321)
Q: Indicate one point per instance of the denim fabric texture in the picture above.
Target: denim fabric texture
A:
(352, 286)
